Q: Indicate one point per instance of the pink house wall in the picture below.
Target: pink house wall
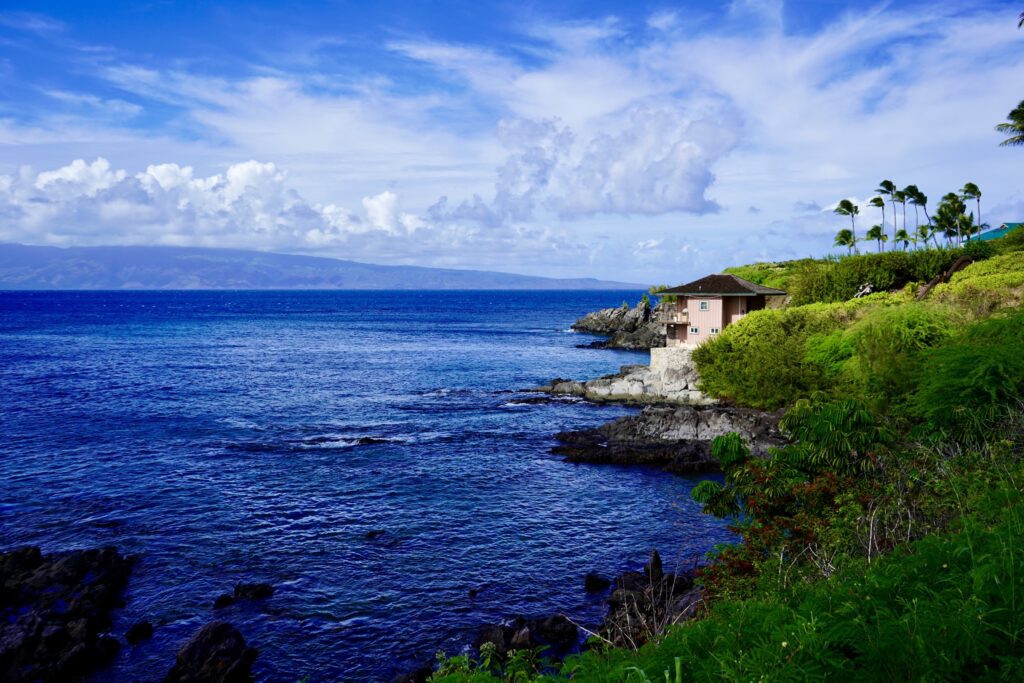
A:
(703, 320)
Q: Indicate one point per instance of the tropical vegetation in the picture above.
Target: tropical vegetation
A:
(951, 221)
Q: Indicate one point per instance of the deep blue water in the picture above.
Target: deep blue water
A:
(216, 434)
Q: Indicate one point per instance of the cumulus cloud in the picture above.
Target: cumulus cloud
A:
(249, 205)
(658, 161)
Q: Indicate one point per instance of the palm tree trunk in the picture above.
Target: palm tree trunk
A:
(935, 241)
(893, 199)
(979, 218)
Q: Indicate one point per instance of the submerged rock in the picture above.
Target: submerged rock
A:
(139, 631)
(217, 653)
(420, 675)
(55, 612)
(244, 591)
(253, 591)
(595, 583)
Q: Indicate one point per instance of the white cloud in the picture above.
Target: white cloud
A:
(663, 20)
(249, 205)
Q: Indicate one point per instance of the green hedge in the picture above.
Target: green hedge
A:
(839, 279)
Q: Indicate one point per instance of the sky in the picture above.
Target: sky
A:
(636, 141)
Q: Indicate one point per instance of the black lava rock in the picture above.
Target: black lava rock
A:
(55, 610)
(138, 632)
(217, 653)
(595, 583)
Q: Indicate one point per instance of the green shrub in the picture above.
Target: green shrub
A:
(760, 360)
(971, 381)
(1012, 241)
(979, 250)
(774, 357)
(887, 345)
(839, 279)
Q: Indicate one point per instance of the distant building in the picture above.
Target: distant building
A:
(996, 233)
(700, 310)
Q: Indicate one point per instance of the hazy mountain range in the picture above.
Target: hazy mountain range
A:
(33, 267)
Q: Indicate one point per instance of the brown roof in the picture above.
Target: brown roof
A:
(721, 285)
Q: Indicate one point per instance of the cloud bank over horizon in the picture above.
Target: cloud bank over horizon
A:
(635, 145)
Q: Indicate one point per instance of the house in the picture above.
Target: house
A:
(1000, 231)
(697, 311)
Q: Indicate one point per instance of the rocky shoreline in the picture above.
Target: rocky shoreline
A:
(625, 328)
(677, 439)
(638, 384)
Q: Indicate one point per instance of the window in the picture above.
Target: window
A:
(705, 305)
(694, 330)
(714, 330)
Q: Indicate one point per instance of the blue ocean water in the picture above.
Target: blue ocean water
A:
(259, 436)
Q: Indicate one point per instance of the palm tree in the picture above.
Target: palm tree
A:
(921, 199)
(901, 197)
(887, 188)
(912, 192)
(876, 233)
(924, 232)
(845, 238)
(902, 237)
(848, 208)
(969, 192)
(880, 203)
(951, 217)
(1014, 128)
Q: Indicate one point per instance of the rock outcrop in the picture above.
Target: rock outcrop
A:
(677, 439)
(626, 328)
(217, 653)
(555, 632)
(643, 605)
(55, 612)
(670, 378)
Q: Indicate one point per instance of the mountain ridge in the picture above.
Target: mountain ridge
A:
(32, 267)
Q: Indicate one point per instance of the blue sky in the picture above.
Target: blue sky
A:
(649, 142)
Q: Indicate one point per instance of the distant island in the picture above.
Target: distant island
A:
(24, 267)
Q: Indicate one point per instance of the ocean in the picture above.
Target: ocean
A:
(262, 436)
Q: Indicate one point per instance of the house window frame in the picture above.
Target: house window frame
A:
(705, 305)
(715, 330)
(694, 329)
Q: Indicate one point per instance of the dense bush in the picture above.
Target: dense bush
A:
(760, 361)
(767, 361)
(979, 250)
(1012, 241)
(839, 279)
(887, 347)
(972, 379)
